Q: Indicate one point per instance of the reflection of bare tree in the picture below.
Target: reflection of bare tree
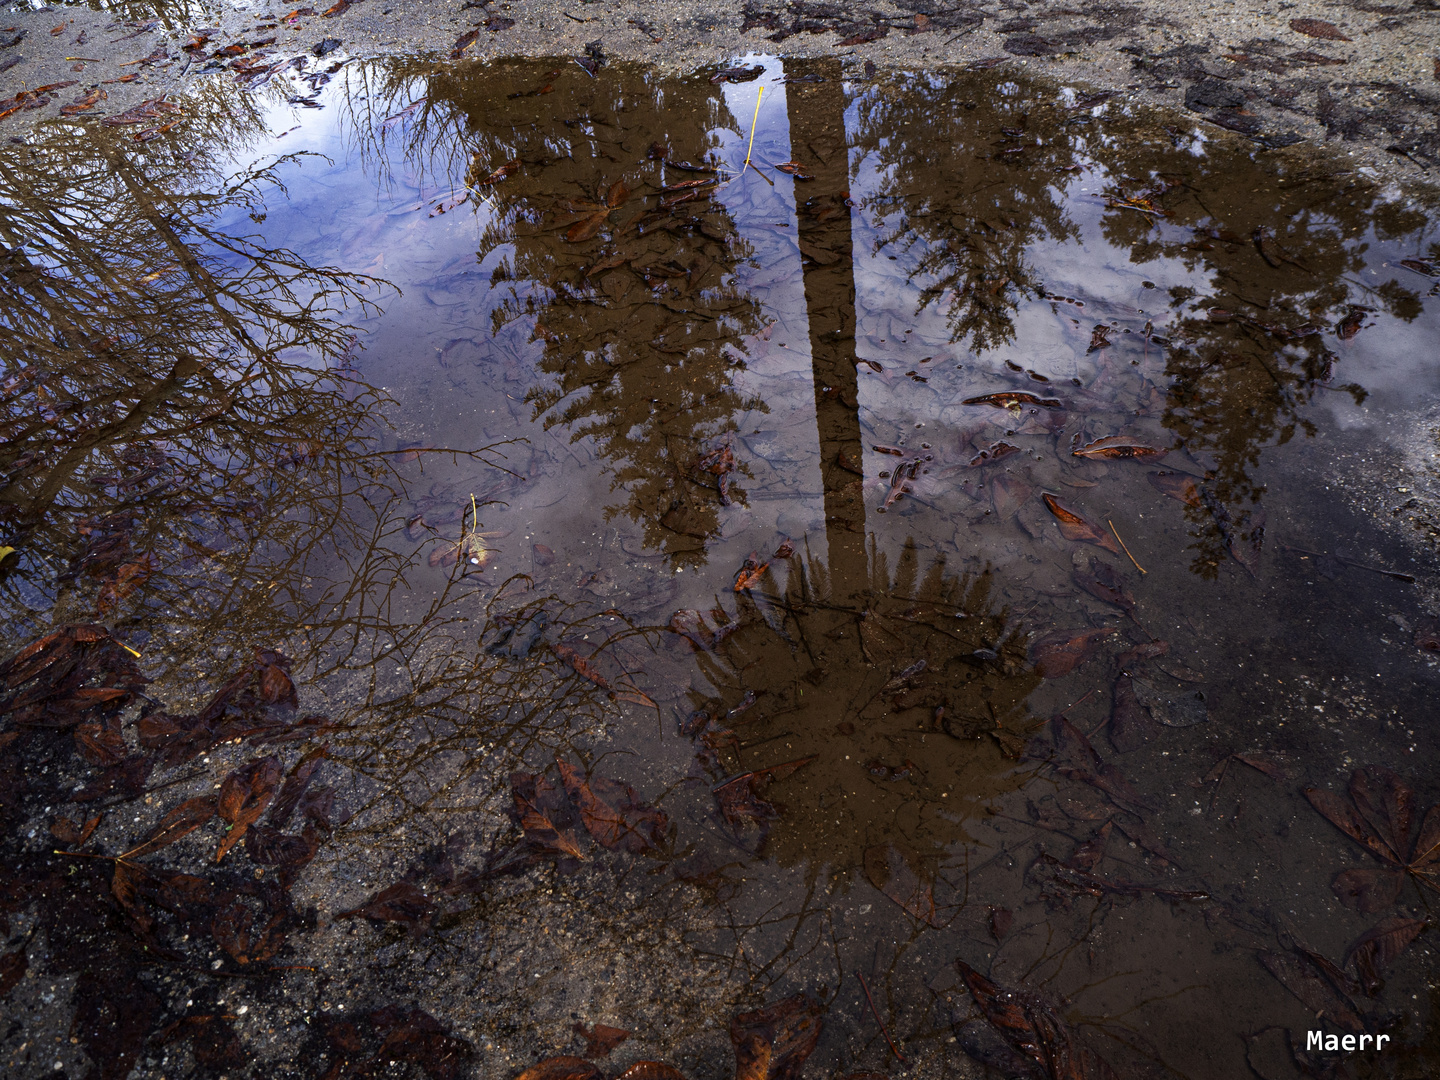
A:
(974, 185)
(628, 286)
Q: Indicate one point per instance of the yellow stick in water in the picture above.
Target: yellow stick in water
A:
(754, 118)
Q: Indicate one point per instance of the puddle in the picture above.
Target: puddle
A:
(710, 584)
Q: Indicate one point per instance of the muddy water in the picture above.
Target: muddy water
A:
(938, 521)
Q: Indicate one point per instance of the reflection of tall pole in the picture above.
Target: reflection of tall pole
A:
(817, 141)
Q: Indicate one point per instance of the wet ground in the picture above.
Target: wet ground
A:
(953, 597)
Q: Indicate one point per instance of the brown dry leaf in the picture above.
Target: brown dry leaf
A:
(562, 1068)
(1177, 486)
(600, 1039)
(612, 813)
(1375, 949)
(616, 196)
(183, 820)
(1318, 28)
(1063, 651)
(1315, 993)
(772, 1043)
(750, 575)
(244, 796)
(85, 103)
(403, 902)
(499, 174)
(1117, 446)
(900, 874)
(1075, 527)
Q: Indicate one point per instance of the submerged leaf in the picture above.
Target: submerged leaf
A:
(1063, 651)
(900, 874)
(772, 1043)
(600, 1039)
(1075, 527)
(612, 813)
(404, 902)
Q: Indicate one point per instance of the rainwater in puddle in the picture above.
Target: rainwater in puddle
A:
(889, 610)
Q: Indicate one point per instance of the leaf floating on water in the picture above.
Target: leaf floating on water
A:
(750, 575)
(772, 1043)
(1350, 325)
(1118, 446)
(1318, 28)
(740, 74)
(900, 874)
(600, 1039)
(1015, 399)
(612, 813)
(1063, 651)
(993, 453)
(1177, 486)
(1075, 527)
(508, 169)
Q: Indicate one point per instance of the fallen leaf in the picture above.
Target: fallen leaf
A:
(183, 820)
(600, 1039)
(651, 1070)
(404, 902)
(1177, 486)
(750, 575)
(212, 1040)
(1176, 710)
(499, 174)
(1014, 399)
(545, 815)
(1061, 652)
(85, 103)
(244, 796)
(1117, 446)
(1008, 494)
(1131, 725)
(13, 966)
(543, 554)
(1034, 1028)
(1075, 527)
(772, 1043)
(582, 665)
(587, 227)
(1368, 889)
(1379, 946)
(1105, 583)
(1318, 28)
(562, 1068)
(900, 874)
(612, 813)
(72, 832)
(1317, 995)
(1001, 920)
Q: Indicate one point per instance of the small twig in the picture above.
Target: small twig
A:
(1350, 562)
(758, 96)
(1122, 544)
(876, 1013)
